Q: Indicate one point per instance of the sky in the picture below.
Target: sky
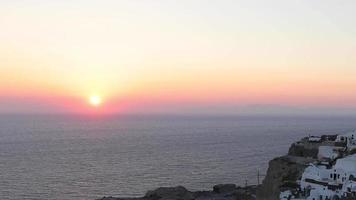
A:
(186, 56)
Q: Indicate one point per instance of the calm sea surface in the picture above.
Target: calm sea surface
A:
(72, 157)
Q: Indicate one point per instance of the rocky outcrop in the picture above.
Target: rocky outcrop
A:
(169, 193)
(283, 172)
(304, 148)
(224, 188)
(219, 192)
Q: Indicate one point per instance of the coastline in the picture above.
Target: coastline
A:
(296, 175)
(290, 165)
(221, 191)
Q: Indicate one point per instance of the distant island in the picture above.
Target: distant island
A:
(315, 168)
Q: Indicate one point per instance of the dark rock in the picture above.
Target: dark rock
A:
(221, 192)
(281, 171)
(178, 192)
(304, 149)
(247, 193)
(224, 188)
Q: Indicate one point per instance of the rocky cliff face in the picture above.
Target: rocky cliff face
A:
(304, 148)
(283, 172)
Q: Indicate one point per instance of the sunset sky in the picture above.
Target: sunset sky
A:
(166, 56)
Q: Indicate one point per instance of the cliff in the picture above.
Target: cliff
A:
(283, 172)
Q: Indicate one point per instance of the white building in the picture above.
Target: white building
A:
(325, 181)
(329, 153)
(349, 139)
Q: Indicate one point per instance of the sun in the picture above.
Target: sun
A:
(95, 100)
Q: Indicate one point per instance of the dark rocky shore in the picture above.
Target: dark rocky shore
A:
(223, 192)
(282, 173)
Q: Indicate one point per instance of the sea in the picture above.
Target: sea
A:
(87, 157)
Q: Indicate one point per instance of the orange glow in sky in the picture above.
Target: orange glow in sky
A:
(174, 56)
